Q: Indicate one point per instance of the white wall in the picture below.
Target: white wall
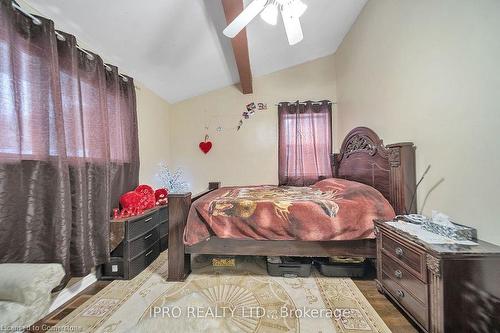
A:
(249, 156)
(429, 72)
(153, 117)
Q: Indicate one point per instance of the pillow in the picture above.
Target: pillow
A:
(25, 283)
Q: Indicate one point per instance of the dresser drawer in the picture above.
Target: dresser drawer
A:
(143, 242)
(411, 305)
(140, 226)
(405, 278)
(138, 264)
(411, 258)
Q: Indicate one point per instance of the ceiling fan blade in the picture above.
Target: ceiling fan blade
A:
(247, 15)
(292, 27)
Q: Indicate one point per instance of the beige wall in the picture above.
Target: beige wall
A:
(429, 72)
(250, 155)
(154, 138)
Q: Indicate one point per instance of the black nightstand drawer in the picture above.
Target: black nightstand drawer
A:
(140, 226)
(141, 262)
(143, 242)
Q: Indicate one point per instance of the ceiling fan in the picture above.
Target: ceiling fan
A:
(291, 11)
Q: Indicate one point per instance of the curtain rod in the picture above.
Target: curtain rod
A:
(303, 103)
(61, 37)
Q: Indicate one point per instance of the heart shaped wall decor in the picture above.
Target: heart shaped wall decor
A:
(205, 146)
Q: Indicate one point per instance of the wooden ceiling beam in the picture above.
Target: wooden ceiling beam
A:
(233, 8)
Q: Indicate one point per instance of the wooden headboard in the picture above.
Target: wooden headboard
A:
(390, 169)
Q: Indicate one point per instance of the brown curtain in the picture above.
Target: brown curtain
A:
(68, 138)
(305, 142)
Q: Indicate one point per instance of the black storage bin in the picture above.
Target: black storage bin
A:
(115, 268)
(289, 266)
(338, 269)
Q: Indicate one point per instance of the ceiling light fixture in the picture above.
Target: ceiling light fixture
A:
(270, 14)
(291, 11)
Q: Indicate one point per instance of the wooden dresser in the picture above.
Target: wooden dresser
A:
(443, 288)
(135, 242)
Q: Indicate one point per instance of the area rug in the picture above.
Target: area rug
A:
(214, 299)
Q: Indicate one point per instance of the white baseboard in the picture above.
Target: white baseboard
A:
(68, 293)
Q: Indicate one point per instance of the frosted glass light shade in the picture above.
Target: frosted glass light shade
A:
(270, 14)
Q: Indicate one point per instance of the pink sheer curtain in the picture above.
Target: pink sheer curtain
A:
(305, 142)
(68, 146)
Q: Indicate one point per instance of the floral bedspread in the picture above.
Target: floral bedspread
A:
(331, 209)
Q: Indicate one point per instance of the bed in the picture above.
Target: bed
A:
(388, 170)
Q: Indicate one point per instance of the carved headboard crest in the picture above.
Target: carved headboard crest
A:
(362, 140)
(360, 143)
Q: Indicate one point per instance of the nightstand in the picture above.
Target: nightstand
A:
(443, 288)
(135, 243)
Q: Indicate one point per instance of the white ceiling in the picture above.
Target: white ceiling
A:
(176, 47)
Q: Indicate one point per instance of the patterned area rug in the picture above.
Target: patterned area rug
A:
(239, 299)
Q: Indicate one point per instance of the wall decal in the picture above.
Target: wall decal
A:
(251, 110)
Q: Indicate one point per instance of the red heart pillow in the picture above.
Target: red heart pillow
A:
(147, 195)
(130, 200)
(205, 146)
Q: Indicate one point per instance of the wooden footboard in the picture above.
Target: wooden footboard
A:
(179, 262)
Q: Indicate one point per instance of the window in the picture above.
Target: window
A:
(304, 143)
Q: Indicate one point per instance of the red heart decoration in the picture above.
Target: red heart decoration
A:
(205, 146)
(147, 197)
(130, 199)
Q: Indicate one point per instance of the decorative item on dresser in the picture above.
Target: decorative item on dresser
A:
(443, 288)
(135, 242)
(363, 158)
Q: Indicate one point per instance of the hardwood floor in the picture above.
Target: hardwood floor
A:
(53, 318)
(393, 318)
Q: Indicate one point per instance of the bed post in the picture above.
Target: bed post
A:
(213, 185)
(403, 177)
(334, 162)
(179, 262)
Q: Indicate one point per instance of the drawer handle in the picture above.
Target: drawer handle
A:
(148, 219)
(148, 236)
(399, 252)
(398, 274)
(400, 293)
(147, 254)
